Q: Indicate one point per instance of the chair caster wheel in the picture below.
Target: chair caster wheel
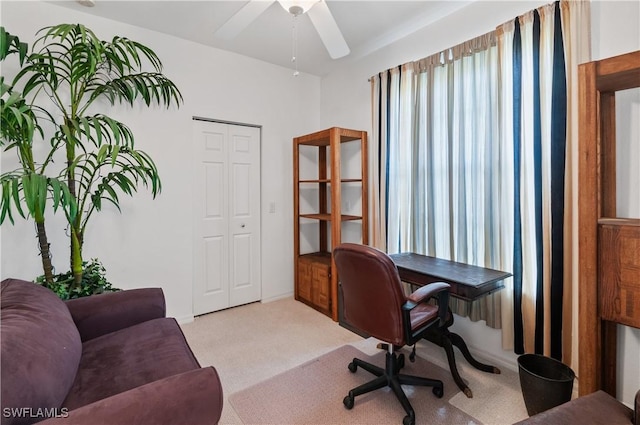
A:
(409, 420)
(348, 402)
(353, 367)
(438, 391)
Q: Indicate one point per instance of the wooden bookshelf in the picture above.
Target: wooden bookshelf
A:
(315, 279)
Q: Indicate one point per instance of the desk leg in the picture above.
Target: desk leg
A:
(459, 342)
(448, 348)
(445, 339)
(440, 336)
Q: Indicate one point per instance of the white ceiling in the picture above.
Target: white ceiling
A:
(366, 26)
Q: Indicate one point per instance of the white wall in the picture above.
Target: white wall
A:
(346, 102)
(150, 243)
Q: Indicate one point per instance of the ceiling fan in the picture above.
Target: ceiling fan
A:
(318, 12)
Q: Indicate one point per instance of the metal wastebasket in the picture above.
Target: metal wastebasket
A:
(545, 382)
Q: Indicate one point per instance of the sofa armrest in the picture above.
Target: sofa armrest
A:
(193, 397)
(105, 313)
(597, 408)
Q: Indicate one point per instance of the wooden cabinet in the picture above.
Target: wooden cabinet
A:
(619, 271)
(321, 176)
(314, 281)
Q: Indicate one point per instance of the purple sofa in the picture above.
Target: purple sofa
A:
(106, 359)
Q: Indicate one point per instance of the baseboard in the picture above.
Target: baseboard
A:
(492, 358)
(277, 297)
(190, 318)
(185, 319)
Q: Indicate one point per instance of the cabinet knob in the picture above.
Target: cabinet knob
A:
(242, 225)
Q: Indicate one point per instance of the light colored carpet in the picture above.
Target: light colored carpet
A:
(252, 343)
(497, 399)
(312, 393)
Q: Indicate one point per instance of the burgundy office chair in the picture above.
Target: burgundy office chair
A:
(374, 302)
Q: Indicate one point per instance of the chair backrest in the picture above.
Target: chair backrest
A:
(372, 295)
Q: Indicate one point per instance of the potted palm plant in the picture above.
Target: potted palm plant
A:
(66, 78)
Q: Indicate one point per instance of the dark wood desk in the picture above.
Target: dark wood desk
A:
(468, 283)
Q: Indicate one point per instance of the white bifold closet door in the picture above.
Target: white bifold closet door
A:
(226, 193)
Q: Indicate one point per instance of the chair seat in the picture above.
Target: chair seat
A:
(423, 314)
(119, 361)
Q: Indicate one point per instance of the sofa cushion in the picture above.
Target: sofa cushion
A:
(129, 358)
(41, 349)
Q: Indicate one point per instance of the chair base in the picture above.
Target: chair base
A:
(390, 376)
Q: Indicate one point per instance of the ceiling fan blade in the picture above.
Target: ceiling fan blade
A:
(243, 18)
(328, 30)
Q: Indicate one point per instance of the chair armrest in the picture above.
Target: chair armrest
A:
(193, 397)
(427, 291)
(105, 313)
(424, 293)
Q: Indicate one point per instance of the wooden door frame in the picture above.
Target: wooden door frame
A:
(598, 82)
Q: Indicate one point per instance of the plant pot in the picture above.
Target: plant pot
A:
(545, 382)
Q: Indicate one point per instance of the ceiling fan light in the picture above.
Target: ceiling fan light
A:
(297, 7)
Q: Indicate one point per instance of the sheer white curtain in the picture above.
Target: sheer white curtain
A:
(439, 149)
(401, 189)
(505, 169)
(393, 92)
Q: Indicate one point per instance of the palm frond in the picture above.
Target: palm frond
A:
(10, 44)
(28, 193)
(151, 87)
(110, 171)
(99, 130)
(18, 122)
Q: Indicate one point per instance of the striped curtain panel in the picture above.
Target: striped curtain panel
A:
(539, 140)
(471, 161)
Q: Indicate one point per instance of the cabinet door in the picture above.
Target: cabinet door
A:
(314, 283)
(619, 274)
(321, 290)
(305, 280)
